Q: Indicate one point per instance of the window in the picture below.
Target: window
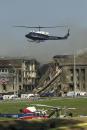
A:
(19, 72)
(2, 70)
(4, 87)
(19, 87)
(83, 74)
(19, 79)
(71, 71)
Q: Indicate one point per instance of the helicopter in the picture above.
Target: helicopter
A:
(41, 36)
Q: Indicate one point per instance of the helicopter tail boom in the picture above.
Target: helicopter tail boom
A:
(60, 38)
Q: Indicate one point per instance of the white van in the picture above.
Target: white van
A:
(72, 94)
(13, 97)
(24, 96)
(5, 97)
(30, 95)
(33, 96)
(77, 93)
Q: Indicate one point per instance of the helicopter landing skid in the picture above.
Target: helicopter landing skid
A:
(36, 41)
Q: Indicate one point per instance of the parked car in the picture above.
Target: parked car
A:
(13, 97)
(72, 94)
(83, 93)
(77, 93)
(47, 94)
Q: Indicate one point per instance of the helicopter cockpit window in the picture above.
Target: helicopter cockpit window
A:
(30, 33)
(34, 34)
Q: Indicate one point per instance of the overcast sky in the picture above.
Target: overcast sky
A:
(45, 13)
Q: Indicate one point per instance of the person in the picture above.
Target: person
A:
(70, 114)
(21, 111)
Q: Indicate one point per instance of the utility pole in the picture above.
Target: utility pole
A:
(74, 75)
(14, 82)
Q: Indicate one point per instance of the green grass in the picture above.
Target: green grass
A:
(79, 103)
(14, 106)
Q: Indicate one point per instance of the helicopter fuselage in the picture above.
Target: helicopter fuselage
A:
(42, 36)
(37, 36)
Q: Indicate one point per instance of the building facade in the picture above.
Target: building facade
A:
(18, 75)
(74, 72)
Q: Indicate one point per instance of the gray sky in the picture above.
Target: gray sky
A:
(45, 13)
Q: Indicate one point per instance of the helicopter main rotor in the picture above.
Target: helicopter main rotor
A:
(39, 27)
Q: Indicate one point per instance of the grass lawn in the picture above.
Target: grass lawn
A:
(14, 106)
(80, 104)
